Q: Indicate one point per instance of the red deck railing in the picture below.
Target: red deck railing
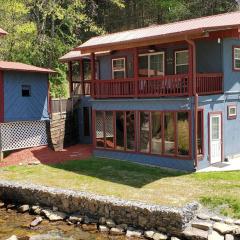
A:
(168, 85)
(209, 83)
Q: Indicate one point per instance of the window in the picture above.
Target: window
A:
(183, 133)
(99, 129)
(236, 58)
(156, 130)
(181, 62)
(76, 72)
(169, 133)
(151, 65)
(130, 131)
(26, 91)
(109, 130)
(200, 128)
(232, 112)
(144, 131)
(118, 68)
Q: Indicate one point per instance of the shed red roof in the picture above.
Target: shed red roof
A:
(2, 32)
(15, 66)
(198, 25)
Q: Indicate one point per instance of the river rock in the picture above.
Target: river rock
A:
(194, 233)
(202, 225)
(2, 204)
(103, 228)
(229, 237)
(237, 222)
(116, 231)
(229, 221)
(159, 236)
(102, 221)
(36, 221)
(54, 216)
(175, 238)
(76, 218)
(89, 227)
(216, 219)
(134, 233)
(110, 223)
(203, 216)
(24, 208)
(149, 234)
(215, 236)
(224, 228)
(11, 206)
(13, 237)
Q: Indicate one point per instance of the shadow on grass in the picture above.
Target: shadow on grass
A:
(121, 172)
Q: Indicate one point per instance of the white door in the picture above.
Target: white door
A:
(215, 138)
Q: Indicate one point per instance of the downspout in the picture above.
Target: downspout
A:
(195, 94)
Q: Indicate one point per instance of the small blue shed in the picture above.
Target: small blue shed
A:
(24, 105)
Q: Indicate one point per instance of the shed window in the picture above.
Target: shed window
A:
(236, 60)
(26, 90)
(118, 68)
(181, 62)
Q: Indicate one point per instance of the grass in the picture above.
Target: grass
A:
(126, 180)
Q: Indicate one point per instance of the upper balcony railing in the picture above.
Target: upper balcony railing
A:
(162, 86)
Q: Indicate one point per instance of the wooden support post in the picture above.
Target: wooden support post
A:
(70, 78)
(93, 72)
(82, 76)
(135, 61)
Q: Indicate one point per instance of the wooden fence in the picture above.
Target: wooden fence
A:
(64, 123)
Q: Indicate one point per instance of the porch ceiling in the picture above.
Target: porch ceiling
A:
(193, 28)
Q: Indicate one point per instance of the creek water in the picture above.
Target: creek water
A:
(13, 223)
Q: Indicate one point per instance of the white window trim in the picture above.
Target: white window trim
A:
(229, 111)
(119, 70)
(234, 59)
(175, 60)
(151, 54)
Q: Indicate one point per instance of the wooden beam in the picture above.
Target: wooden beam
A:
(70, 78)
(82, 75)
(135, 68)
(93, 72)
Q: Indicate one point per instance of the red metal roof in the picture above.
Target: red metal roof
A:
(76, 55)
(198, 25)
(15, 66)
(2, 32)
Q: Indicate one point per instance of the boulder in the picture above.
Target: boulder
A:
(202, 225)
(237, 222)
(215, 236)
(216, 219)
(229, 221)
(13, 237)
(102, 221)
(54, 216)
(11, 206)
(194, 233)
(110, 223)
(36, 221)
(159, 236)
(229, 237)
(24, 208)
(149, 234)
(203, 216)
(223, 228)
(103, 228)
(116, 231)
(76, 218)
(2, 204)
(134, 233)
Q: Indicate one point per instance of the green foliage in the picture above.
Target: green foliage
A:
(41, 31)
(227, 206)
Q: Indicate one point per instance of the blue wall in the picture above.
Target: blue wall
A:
(209, 56)
(231, 78)
(18, 108)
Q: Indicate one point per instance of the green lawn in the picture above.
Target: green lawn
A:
(133, 181)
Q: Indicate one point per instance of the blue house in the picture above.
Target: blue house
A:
(165, 95)
(24, 105)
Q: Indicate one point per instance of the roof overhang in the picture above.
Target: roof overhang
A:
(168, 38)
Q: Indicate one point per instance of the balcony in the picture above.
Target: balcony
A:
(162, 86)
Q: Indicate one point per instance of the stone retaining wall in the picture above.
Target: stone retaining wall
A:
(136, 214)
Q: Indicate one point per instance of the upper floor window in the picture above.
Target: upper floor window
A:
(151, 64)
(181, 62)
(118, 68)
(26, 91)
(236, 59)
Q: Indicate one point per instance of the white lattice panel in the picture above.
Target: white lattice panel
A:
(17, 135)
(99, 125)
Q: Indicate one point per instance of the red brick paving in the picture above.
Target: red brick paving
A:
(45, 155)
